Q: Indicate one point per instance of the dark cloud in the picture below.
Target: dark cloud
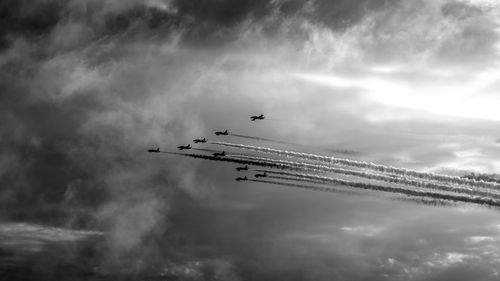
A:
(25, 18)
(87, 86)
(223, 12)
(345, 13)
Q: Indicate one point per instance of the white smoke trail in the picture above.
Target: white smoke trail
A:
(261, 139)
(371, 176)
(330, 189)
(399, 190)
(410, 182)
(354, 184)
(417, 200)
(367, 165)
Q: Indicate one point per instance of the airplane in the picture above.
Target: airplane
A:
(261, 175)
(241, 179)
(259, 117)
(154, 150)
(242, 168)
(225, 133)
(219, 154)
(200, 140)
(184, 147)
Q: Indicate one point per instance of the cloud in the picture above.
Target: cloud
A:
(88, 86)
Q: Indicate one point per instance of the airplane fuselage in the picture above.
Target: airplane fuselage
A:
(242, 168)
(260, 117)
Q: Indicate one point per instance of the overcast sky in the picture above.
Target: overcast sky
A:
(86, 87)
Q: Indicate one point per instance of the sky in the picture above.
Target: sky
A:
(86, 87)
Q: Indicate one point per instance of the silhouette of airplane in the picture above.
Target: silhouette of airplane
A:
(219, 154)
(261, 175)
(242, 168)
(225, 133)
(182, 147)
(200, 140)
(259, 117)
(154, 150)
(241, 178)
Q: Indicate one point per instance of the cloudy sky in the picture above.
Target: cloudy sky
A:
(86, 87)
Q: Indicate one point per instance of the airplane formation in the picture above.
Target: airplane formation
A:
(312, 171)
(222, 153)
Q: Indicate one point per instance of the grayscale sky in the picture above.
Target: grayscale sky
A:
(86, 87)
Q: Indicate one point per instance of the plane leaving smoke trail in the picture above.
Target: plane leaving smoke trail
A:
(361, 185)
(336, 189)
(229, 159)
(410, 182)
(298, 166)
(310, 187)
(417, 200)
(260, 139)
(367, 165)
(341, 151)
(408, 192)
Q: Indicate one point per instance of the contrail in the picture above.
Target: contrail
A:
(330, 189)
(366, 165)
(417, 200)
(261, 139)
(228, 159)
(426, 201)
(410, 182)
(408, 192)
(361, 185)
(341, 151)
(298, 166)
(311, 187)
(206, 150)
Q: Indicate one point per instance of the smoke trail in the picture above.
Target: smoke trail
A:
(261, 139)
(398, 190)
(417, 200)
(298, 166)
(310, 187)
(206, 150)
(388, 179)
(367, 165)
(361, 185)
(228, 159)
(426, 201)
(334, 189)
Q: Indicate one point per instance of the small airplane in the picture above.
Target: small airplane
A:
(219, 154)
(241, 178)
(154, 150)
(261, 175)
(242, 168)
(182, 147)
(200, 140)
(225, 133)
(257, 117)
